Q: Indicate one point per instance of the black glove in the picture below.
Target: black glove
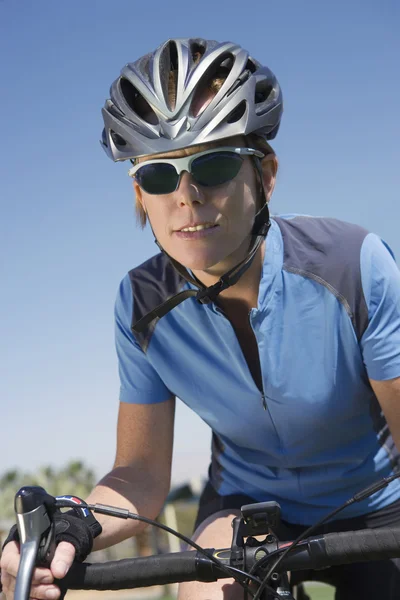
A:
(80, 532)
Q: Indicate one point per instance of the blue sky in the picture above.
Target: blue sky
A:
(67, 228)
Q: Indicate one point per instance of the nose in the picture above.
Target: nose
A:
(189, 192)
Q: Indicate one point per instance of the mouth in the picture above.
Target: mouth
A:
(197, 227)
(197, 231)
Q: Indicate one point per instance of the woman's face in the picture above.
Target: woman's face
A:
(227, 211)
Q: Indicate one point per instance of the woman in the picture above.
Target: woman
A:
(282, 334)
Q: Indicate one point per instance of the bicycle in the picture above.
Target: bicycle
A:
(260, 567)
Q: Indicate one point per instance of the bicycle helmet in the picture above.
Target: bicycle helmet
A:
(139, 118)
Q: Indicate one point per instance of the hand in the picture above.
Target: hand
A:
(43, 587)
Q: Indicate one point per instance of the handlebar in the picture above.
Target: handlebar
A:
(247, 559)
(313, 553)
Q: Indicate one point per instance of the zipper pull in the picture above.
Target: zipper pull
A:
(264, 402)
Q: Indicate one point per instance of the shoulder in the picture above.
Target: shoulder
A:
(327, 251)
(153, 282)
(152, 269)
(149, 285)
(308, 240)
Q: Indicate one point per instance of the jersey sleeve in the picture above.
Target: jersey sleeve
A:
(380, 278)
(140, 383)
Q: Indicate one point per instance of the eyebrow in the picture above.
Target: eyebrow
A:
(200, 148)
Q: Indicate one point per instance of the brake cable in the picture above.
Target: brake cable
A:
(231, 571)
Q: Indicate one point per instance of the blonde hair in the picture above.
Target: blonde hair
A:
(214, 85)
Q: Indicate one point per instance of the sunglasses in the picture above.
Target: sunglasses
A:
(208, 168)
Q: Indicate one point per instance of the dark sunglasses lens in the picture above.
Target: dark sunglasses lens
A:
(159, 178)
(216, 168)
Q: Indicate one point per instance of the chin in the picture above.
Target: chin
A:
(197, 260)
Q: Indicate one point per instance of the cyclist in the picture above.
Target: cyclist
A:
(294, 361)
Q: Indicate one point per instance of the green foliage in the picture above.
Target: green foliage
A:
(74, 478)
(186, 513)
(320, 591)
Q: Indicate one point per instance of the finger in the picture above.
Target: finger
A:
(10, 563)
(41, 575)
(63, 559)
(12, 580)
(45, 592)
(10, 558)
(48, 592)
(6, 581)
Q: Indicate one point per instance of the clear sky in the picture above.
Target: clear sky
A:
(67, 227)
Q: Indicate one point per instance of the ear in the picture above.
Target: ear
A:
(269, 165)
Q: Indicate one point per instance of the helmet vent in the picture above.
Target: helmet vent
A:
(104, 140)
(237, 112)
(251, 65)
(117, 139)
(210, 83)
(136, 102)
(170, 71)
(197, 51)
(262, 92)
(173, 56)
(224, 67)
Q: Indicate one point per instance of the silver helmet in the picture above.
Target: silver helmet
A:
(140, 119)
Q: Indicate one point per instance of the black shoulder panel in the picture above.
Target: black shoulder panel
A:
(328, 251)
(152, 283)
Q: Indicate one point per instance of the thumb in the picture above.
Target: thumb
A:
(63, 559)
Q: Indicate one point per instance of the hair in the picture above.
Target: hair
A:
(214, 85)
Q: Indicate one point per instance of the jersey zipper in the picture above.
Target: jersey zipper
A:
(264, 401)
(263, 396)
(260, 385)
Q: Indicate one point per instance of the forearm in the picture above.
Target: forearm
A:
(132, 488)
(388, 395)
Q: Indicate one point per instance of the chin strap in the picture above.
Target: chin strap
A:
(204, 294)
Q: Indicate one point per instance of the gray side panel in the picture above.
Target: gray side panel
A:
(328, 251)
(152, 283)
(215, 472)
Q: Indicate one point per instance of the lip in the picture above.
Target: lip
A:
(194, 224)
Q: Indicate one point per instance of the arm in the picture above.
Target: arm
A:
(388, 395)
(140, 479)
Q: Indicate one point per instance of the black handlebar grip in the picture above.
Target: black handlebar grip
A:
(138, 572)
(360, 546)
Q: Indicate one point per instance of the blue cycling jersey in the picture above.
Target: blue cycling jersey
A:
(327, 320)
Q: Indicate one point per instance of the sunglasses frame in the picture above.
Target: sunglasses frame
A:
(184, 163)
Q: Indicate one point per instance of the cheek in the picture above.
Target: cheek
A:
(237, 204)
(159, 215)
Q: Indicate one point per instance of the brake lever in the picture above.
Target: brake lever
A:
(34, 509)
